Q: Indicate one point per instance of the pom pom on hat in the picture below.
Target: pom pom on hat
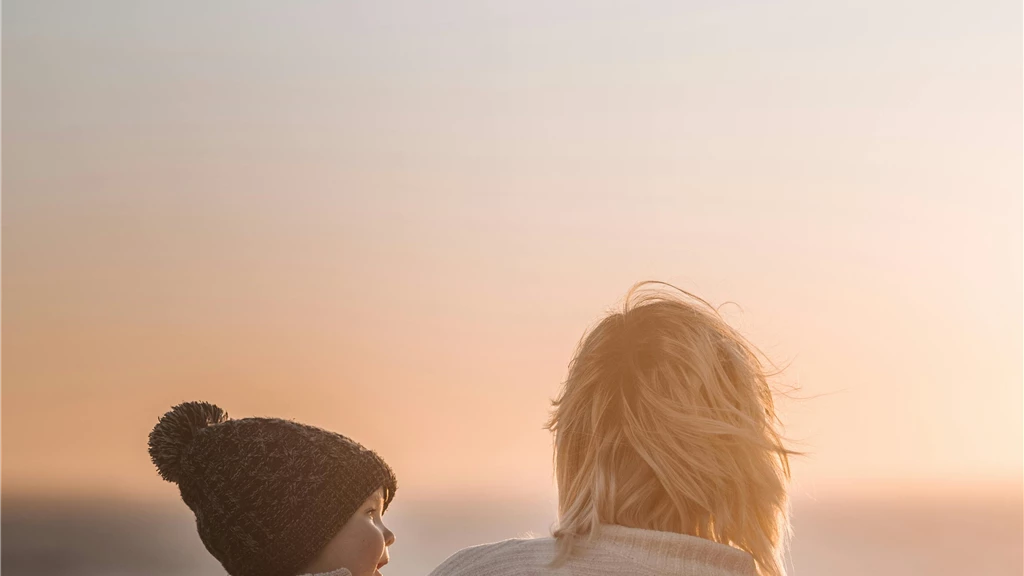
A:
(175, 432)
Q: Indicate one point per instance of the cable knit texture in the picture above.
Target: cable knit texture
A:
(615, 550)
(268, 494)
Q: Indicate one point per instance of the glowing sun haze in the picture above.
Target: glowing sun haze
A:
(395, 220)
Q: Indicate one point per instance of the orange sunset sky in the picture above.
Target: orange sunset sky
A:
(396, 220)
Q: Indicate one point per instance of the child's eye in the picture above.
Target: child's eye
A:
(371, 511)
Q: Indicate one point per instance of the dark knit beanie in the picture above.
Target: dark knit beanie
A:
(268, 494)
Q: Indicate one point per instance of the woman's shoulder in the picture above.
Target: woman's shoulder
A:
(508, 557)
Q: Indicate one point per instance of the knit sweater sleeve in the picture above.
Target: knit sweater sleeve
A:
(454, 565)
(617, 550)
(486, 560)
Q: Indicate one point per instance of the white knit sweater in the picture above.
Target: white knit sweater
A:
(615, 550)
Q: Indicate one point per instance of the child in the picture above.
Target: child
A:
(274, 497)
(667, 454)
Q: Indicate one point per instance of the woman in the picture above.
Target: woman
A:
(667, 453)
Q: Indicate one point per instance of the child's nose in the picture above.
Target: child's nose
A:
(389, 537)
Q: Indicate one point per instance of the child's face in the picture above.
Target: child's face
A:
(361, 545)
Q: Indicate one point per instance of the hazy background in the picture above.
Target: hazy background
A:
(396, 219)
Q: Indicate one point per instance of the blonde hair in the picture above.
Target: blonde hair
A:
(666, 422)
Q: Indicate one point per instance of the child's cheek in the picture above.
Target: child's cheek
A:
(371, 550)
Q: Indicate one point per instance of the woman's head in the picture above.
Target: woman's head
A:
(666, 422)
(270, 496)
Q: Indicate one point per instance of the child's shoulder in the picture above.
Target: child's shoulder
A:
(517, 556)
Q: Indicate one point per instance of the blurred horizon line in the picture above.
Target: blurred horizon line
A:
(980, 490)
